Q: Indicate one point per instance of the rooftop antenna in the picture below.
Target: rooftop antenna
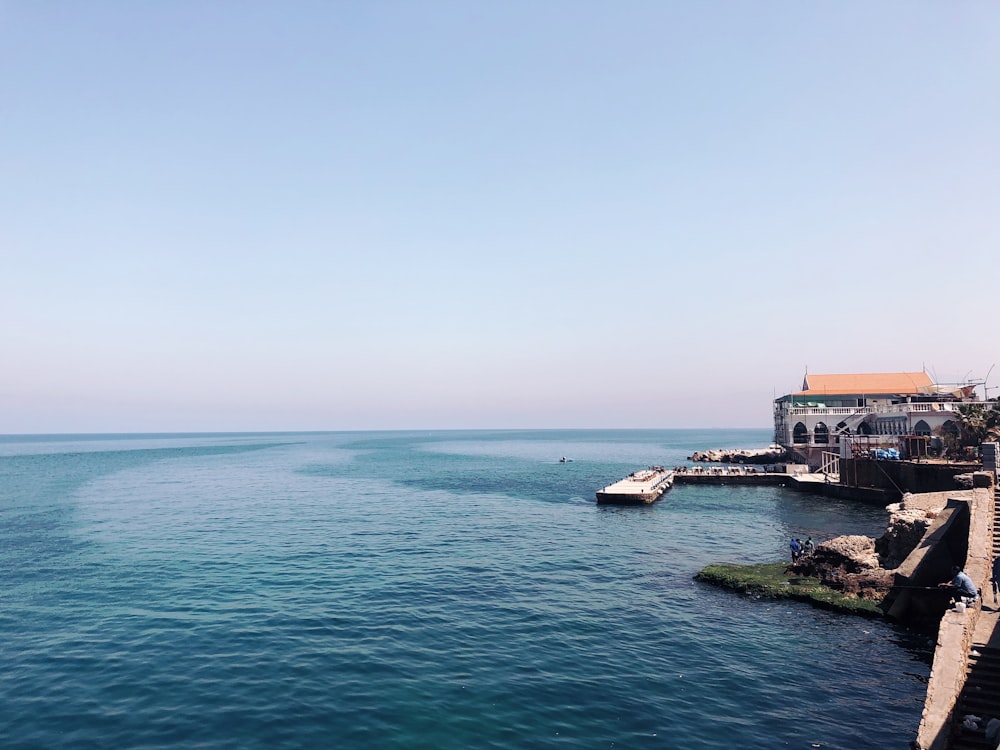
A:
(986, 389)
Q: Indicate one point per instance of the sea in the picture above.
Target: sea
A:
(421, 589)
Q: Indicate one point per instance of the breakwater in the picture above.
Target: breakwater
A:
(770, 455)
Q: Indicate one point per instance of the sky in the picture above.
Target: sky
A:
(240, 216)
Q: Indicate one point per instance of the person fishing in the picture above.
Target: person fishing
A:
(962, 584)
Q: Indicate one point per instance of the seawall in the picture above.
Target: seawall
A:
(957, 629)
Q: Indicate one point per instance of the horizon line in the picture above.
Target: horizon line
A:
(364, 429)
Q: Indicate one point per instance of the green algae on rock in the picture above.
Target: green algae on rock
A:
(774, 580)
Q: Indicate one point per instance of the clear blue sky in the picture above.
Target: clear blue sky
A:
(341, 215)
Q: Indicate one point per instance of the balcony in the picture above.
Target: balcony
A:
(846, 411)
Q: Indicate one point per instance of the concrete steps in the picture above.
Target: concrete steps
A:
(980, 697)
(981, 694)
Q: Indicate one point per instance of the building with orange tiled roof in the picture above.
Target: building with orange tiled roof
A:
(885, 408)
(870, 384)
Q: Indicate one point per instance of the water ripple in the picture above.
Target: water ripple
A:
(269, 599)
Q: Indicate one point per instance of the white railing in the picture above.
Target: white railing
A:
(831, 463)
(838, 411)
(831, 411)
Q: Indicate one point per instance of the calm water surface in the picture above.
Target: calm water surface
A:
(419, 590)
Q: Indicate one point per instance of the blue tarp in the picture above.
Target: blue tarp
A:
(885, 454)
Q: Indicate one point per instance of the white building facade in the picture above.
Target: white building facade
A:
(838, 413)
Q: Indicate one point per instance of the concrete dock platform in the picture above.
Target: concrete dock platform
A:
(638, 488)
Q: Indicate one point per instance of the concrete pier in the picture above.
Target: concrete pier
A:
(795, 477)
(638, 488)
(751, 475)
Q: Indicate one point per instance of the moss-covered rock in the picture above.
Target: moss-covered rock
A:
(775, 580)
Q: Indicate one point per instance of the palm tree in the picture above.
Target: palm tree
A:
(980, 424)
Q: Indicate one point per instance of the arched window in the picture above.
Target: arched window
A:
(921, 428)
(821, 434)
(864, 429)
(800, 435)
(950, 428)
(839, 430)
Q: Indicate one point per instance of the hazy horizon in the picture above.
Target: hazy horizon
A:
(211, 433)
(233, 217)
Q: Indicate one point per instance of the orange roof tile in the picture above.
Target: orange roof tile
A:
(868, 383)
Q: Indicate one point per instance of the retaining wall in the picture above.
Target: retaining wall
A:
(902, 476)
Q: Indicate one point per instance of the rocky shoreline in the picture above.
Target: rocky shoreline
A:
(865, 566)
(771, 454)
(774, 581)
(851, 573)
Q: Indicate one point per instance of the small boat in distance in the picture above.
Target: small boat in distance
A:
(638, 488)
(565, 460)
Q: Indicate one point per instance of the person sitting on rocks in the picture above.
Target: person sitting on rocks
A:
(963, 585)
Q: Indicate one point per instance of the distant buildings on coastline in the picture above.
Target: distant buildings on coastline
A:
(852, 414)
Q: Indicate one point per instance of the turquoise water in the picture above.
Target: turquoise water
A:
(419, 590)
